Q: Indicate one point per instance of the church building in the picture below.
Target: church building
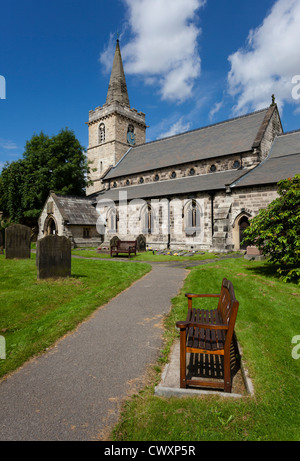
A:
(194, 191)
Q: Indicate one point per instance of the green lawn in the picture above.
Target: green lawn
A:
(34, 314)
(268, 319)
(144, 256)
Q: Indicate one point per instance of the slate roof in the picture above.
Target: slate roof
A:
(76, 210)
(282, 162)
(229, 137)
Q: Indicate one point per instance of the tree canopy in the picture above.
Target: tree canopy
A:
(55, 163)
(276, 230)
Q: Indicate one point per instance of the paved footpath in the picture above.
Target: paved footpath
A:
(74, 391)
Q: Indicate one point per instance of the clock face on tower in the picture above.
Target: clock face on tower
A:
(131, 136)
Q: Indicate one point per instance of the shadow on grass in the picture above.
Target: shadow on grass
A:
(78, 276)
(270, 270)
(266, 270)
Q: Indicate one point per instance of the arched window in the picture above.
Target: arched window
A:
(112, 221)
(192, 219)
(101, 133)
(148, 220)
(50, 227)
(100, 166)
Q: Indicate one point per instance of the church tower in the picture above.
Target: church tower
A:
(114, 127)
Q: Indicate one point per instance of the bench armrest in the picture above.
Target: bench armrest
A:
(182, 325)
(196, 295)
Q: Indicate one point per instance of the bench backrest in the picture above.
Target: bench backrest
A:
(125, 244)
(228, 306)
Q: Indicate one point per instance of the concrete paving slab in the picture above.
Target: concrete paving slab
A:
(170, 381)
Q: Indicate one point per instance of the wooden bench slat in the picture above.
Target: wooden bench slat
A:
(124, 246)
(209, 331)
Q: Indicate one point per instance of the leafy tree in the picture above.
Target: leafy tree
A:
(55, 163)
(276, 230)
(11, 190)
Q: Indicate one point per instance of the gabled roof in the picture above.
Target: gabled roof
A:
(282, 162)
(230, 137)
(76, 210)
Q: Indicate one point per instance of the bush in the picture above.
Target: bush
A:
(276, 230)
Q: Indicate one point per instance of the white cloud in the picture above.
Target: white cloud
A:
(269, 62)
(215, 109)
(7, 144)
(164, 45)
(177, 127)
(107, 56)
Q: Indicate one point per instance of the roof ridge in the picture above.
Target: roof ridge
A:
(203, 127)
(83, 197)
(289, 132)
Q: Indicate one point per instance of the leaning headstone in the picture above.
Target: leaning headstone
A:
(17, 242)
(113, 241)
(53, 257)
(141, 243)
(254, 253)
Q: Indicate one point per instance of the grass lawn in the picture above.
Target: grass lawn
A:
(144, 256)
(268, 319)
(34, 314)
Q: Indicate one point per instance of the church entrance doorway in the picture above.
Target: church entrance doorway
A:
(50, 227)
(243, 224)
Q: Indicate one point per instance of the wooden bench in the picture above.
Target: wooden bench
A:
(123, 246)
(209, 332)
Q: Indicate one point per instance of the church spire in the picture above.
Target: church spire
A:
(117, 89)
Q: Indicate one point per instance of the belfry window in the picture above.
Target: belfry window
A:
(101, 133)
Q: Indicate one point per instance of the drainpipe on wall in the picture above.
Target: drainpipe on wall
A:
(212, 196)
(169, 227)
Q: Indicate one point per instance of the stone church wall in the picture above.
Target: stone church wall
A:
(274, 128)
(219, 219)
(225, 163)
(84, 236)
(50, 210)
(116, 119)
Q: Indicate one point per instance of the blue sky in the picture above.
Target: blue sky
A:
(188, 63)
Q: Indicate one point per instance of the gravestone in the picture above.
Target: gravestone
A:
(53, 257)
(17, 242)
(114, 240)
(254, 253)
(141, 243)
